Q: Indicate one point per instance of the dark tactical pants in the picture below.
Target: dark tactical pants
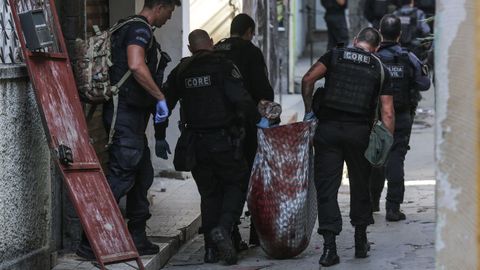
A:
(337, 29)
(130, 173)
(336, 142)
(393, 171)
(250, 151)
(130, 170)
(222, 181)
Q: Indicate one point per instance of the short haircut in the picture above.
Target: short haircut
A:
(197, 37)
(405, 2)
(370, 35)
(241, 23)
(390, 27)
(154, 3)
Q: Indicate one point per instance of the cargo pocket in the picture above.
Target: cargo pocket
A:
(127, 158)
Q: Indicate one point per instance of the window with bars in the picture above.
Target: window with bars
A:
(10, 52)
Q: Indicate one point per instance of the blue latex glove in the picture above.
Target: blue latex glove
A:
(162, 111)
(264, 123)
(310, 116)
(162, 149)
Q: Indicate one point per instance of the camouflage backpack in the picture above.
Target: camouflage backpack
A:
(91, 61)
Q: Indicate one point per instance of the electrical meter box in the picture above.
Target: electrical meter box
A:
(35, 29)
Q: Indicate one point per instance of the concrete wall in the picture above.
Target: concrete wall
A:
(457, 134)
(300, 27)
(355, 19)
(25, 178)
(170, 36)
(320, 24)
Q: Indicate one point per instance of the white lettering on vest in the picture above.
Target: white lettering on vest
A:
(405, 20)
(356, 57)
(396, 71)
(197, 82)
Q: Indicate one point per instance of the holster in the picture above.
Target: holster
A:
(184, 159)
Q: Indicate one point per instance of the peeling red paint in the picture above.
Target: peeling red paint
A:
(62, 114)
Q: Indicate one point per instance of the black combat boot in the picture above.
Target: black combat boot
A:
(223, 241)
(394, 215)
(329, 256)
(253, 239)
(84, 250)
(362, 247)
(139, 236)
(211, 253)
(238, 243)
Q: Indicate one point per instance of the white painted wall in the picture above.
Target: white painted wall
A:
(171, 37)
(301, 26)
(320, 23)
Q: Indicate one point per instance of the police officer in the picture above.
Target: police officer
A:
(414, 26)
(428, 6)
(130, 172)
(251, 63)
(375, 10)
(213, 103)
(345, 109)
(336, 22)
(409, 76)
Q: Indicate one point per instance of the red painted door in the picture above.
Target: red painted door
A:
(56, 94)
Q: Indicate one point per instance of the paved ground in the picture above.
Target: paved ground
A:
(404, 245)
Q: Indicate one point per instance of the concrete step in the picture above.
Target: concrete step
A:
(175, 209)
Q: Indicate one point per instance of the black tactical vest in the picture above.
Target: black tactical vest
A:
(409, 21)
(131, 91)
(352, 81)
(402, 76)
(234, 49)
(201, 91)
(425, 5)
(380, 8)
(383, 7)
(332, 5)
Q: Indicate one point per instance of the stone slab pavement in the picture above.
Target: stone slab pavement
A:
(407, 244)
(175, 209)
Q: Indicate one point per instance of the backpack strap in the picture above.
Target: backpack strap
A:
(382, 79)
(116, 88)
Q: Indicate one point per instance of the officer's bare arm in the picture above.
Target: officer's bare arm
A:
(388, 112)
(140, 71)
(315, 73)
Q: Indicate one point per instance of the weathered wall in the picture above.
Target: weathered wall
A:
(356, 19)
(457, 134)
(300, 27)
(24, 176)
